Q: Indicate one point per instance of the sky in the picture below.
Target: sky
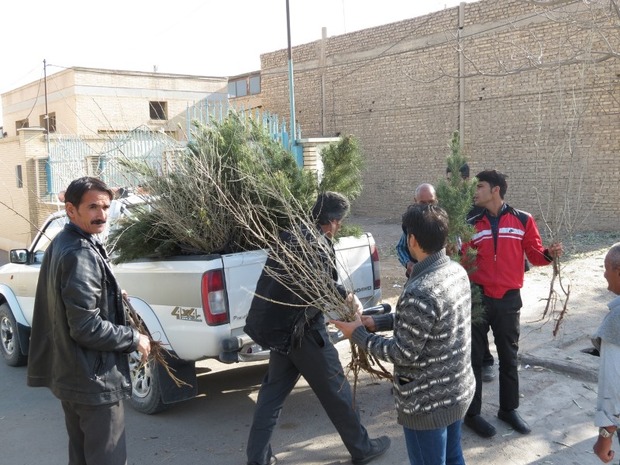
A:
(198, 37)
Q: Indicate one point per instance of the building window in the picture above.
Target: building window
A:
(158, 110)
(254, 85)
(52, 122)
(241, 88)
(21, 124)
(18, 175)
(248, 85)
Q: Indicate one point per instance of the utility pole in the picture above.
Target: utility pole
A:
(47, 116)
(291, 87)
(47, 136)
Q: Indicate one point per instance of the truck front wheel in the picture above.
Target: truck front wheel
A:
(9, 339)
(145, 386)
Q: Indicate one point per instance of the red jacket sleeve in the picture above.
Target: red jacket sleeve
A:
(532, 245)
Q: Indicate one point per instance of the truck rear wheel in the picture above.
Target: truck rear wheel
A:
(145, 386)
(9, 339)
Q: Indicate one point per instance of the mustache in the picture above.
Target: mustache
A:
(98, 222)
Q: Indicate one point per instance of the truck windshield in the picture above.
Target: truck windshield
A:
(53, 228)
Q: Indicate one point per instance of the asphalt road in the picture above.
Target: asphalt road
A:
(210, 429)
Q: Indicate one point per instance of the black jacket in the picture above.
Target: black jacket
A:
(79, 340)
(284, 305)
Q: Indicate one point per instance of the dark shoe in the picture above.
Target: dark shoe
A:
(480, 426)
(488, 373)
(378, 447)
(513, 418)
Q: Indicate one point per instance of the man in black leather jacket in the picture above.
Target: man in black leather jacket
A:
(80, 338)
(284, 317)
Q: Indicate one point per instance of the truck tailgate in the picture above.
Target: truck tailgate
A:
(356, 268)
(242, 271)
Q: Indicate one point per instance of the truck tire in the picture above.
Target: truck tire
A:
(145, 386)
(9, 339)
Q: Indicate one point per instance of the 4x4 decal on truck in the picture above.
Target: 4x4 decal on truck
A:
(187, 314)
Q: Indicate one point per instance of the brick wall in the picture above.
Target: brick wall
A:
(552, 128)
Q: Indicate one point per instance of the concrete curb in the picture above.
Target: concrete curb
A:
(573, 363)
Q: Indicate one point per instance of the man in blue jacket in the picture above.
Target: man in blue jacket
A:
(424, 194)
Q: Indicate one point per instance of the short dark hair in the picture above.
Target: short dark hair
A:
(463, 170)
(328, 207)
(494, 178)
(80, 186)
(429, 224)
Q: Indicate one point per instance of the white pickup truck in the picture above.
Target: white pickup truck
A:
(195, 305)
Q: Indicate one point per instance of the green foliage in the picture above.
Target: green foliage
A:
(343, 165)
(455, 195)
(232, 181)
(142, 235)
(232, 161)
(350, 230)
(252, 166)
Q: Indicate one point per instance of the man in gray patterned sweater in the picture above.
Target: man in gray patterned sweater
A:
(431, 347)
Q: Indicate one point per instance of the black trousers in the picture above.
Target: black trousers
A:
(96, 433)
(318, 362)
(502, 316)
(487, 360)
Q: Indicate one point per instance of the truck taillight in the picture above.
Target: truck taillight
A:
(214, 301)
(376, 271)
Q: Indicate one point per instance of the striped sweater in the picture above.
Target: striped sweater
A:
(431, 346)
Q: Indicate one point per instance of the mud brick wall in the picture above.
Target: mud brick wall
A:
(534, 91)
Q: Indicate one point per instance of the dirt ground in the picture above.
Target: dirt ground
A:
(583, 253)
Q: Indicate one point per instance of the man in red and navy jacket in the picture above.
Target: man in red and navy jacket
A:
(503, 237)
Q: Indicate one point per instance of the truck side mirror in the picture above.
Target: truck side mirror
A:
(18, 256)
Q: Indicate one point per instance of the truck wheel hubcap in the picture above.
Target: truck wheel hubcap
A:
(6, 333)
(141, 376)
